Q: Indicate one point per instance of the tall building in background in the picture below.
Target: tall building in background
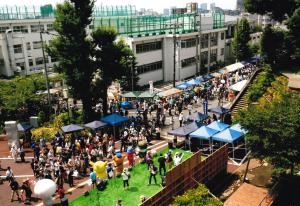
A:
(240, 5)
(192, 7)
(167, 12)
(212, 6)
(203, 6)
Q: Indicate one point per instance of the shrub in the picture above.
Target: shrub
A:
(261, 84)
(196, 197)
(46, 132)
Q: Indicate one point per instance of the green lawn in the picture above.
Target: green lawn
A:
(138, 185)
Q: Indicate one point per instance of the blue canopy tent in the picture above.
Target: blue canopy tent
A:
(238, 127)
(197, 116)
(203, 133)
(228, 136)
(183, 86)
(114, 119)
(208, 76)
(194, 82)
(126, 105)
(186, 130)
(218, 126)
(95, 125)
(200, 78)
(71, 128)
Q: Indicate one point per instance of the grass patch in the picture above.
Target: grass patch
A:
(138, 185)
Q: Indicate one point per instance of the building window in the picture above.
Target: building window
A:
(188, 62)
(23, 29)
(204, 58)
(141, 48)
(50, 27)
(39, 60)
(188, 43)
(28, 46)
(213, 55)
(18, 48)
(3, 29)
(54, 59)
(222, 51)
(214, 39)
(149, 67)
(204, 41)
(37, 44)
(222, 36)
(37, 28)
(21, 65)
(30, 62)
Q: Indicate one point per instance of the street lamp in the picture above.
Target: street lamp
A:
(131, 58)
(66, 98)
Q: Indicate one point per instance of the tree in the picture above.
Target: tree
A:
(240, 44)
(275, 47)
(73, 49)
(294, 32)
(197, 197)
(274, 130)
(113, 60)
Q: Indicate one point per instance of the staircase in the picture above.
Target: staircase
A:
(241, 99)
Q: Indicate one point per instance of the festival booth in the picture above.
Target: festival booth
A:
(24, 132)
(197, 117)
(183, 86)
(239, 85)
(147, 95)
(220, 111)
(170, 92)
(185, 131)
(234, 67)
(96, 126)
(238, 150)
(194, 82)
(115, 120)
(202, 137)
(128, 96)
(71, 128)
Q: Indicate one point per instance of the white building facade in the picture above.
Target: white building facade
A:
(195, 51)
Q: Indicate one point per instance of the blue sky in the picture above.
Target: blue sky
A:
(157, 5)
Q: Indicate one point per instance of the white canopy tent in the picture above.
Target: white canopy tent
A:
(239, 86)
(234, 67)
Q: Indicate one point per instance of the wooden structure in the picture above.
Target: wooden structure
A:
(186, 175)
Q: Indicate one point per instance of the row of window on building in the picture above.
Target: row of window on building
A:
(25, 28)
(38, 61)
(187, 43)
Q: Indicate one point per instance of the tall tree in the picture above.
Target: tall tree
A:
(274, 47)
(240, 44)
(113, 60)
(294, 31)
(274, 130)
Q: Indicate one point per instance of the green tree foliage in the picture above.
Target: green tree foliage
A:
(240, 44)
(90, 63)
(277, 9)
(73, 49)
(19, 99)
(275, 47)
(197, 197)
(261, 84)
(286, 11)
(274, 130)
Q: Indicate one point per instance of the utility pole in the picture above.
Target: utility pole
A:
(174, 57)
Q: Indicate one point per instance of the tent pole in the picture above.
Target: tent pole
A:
(233, 150)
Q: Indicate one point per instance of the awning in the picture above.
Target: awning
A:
(71, 128)
(183, 86)
(238, 127)
(133, 94)
(186, 130)
(194, 82)
(217, 126)
(239, 86)
(24, 127)
(147, 94)
(114, 119)
(228, 135)
(234, 67)
(197, 116)
(203, 133)
(95, 125)
(170, 92)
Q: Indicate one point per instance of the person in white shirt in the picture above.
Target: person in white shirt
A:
(125, 176)
(180, 119)
(14, 152)
(9, 174)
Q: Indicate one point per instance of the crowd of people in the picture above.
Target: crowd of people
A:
(68, 157)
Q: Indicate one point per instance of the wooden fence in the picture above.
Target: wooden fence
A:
(186, 175)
